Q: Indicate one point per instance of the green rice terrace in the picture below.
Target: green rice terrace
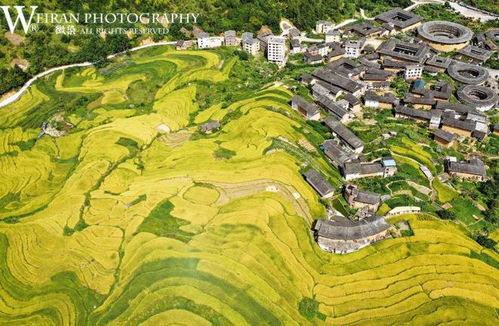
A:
(125, 213)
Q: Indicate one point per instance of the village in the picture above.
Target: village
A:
(357, 64)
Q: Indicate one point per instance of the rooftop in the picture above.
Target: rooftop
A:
(365, 28)
(310, 108)
(335, 153)
(399, 17)
(413, 52)
(342, 228)
(472, 166)
(475, 53)
(331, 107)
(344, 133)
(385, 98)
(337, 80)
(317, 181)
(445, 32)
(445, 135)
(439, 62)
(467, 73)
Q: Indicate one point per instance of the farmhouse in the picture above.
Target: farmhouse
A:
(338, 80)
(355, 170)
(375, 74)
(250, 44)
(345, 135)
(419, 101)
(323, 26)
(334, 109)
(341, 235)
(475, 53)
(401, 19)
(459, 127)
(230, 38)
(458, 108)
(364, 29)
(319, 183)
(333, 36)
(207, 42)
(439, 63)
(403, 210)
(385, 101)
(210, 126)
(336, 154)
(312, 59)
(444, 138)
(307, 109)
(361, 199)
(346, 67)
(472, 169)
(404, 51)
(337, 52)
(417, 115)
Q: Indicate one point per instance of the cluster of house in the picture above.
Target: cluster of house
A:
(354, 71)
(274, 47)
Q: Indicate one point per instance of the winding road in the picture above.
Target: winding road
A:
(17, 95)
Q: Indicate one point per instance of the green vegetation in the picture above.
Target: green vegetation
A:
(445, 193)
(163, 224)
(309, 308)
(224, 153)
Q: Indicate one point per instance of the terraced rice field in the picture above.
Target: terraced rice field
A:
(131, 218)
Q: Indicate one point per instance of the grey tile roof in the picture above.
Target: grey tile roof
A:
(414, 52)
(456, 107)
(344, 133)
(317, 181)
(411, 99)
(364, 28)
(439, 62)
(445, 135)
(399, 17)
(417, 113)
(385, 98)
(342, 228)
(331, 107)
(335, 153)
(345, 66)
(337, 80)
(475, 53)
(214, 124)
(468, 125)
(310, 108)
(472, 166)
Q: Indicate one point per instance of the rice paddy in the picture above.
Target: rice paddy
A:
(132, 218)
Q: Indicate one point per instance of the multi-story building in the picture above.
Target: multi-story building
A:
(250, 44)
(206, 42)
(230, 38)
(276, 50)
(322, 26)
(333, 36)
(413, 72)
(353, 48)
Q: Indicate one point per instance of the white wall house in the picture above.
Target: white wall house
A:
(276, 50)
(206, 42)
